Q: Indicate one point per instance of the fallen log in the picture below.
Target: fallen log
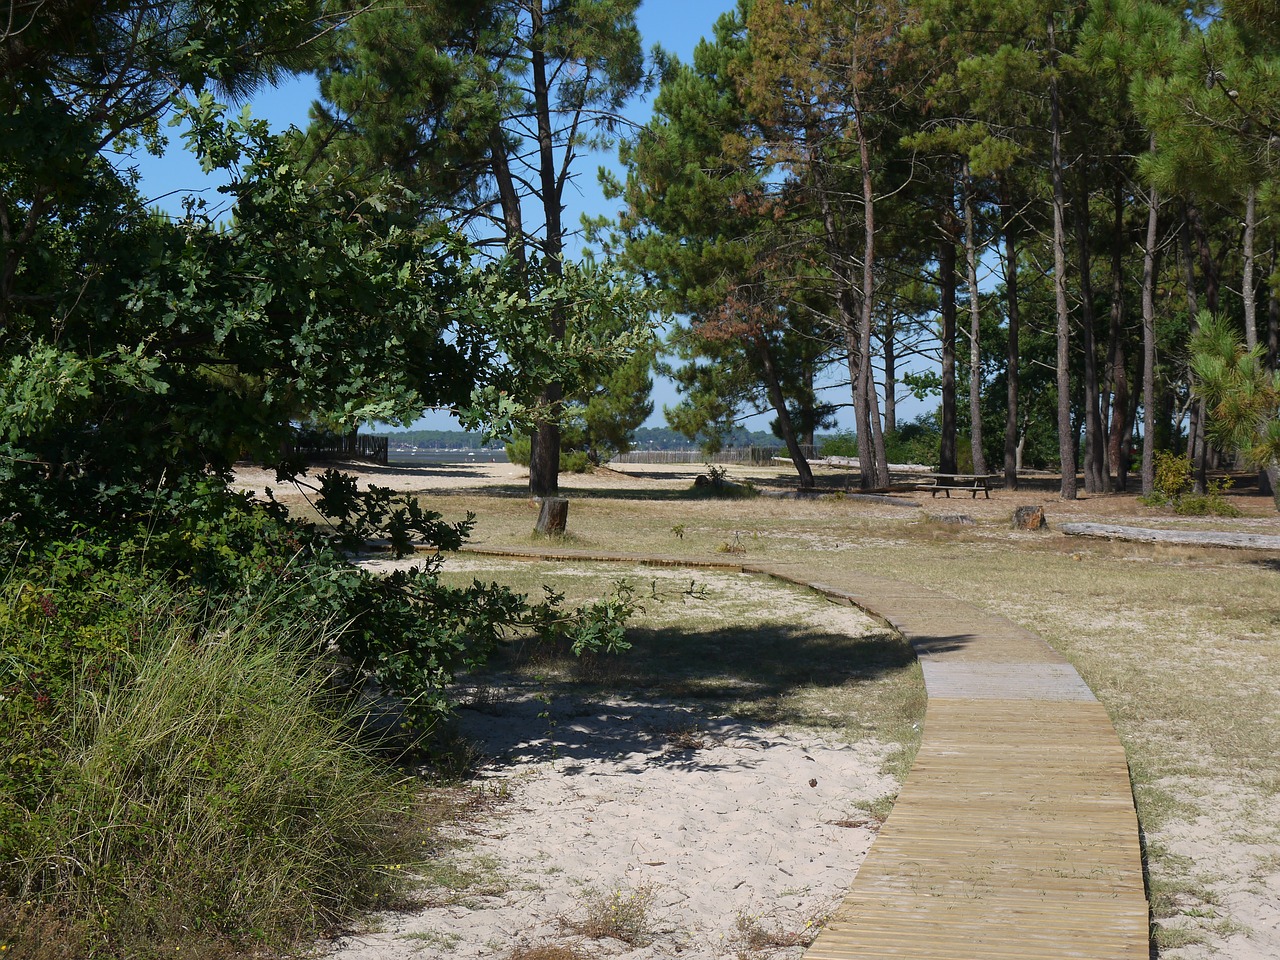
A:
(1190, 538)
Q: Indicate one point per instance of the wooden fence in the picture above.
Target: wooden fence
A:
(740, 455)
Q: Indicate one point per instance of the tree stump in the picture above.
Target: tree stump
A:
(1029, 518)
(553, 516)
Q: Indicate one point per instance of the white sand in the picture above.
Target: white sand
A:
(757, 827)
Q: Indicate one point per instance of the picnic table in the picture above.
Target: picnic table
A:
(974, 483)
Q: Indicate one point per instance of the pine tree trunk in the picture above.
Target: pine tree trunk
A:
(508, 197)
(975, 326)
(890, 380)
(1094, 443)
(1117, 413)
(1248, 293)
(1273, 320)
(1011, 445)
(1066, 440)
(1211, 274)
(879, 467)
(850, 313)
(785, 426)
(1149, 341)
(947, 304)
(544, 458)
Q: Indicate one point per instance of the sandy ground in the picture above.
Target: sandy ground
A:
(1259, 513)
(725, 843)
(694, 833)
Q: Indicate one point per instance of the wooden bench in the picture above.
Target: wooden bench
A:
(974, 483)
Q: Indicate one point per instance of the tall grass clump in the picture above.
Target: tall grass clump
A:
(192, 783)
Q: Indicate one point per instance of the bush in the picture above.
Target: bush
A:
(519, 451)
(1173, 478)
(407, 631)
(1174, 485)
(914, 442)
(842, 444)
(199, 783)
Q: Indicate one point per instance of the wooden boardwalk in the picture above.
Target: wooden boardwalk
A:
(1014, 835)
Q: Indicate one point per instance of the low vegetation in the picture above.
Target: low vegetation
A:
(183, 780)
(621, 914)
(190, 759)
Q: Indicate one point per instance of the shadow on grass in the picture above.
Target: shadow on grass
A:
(671, 689)
(370, 471)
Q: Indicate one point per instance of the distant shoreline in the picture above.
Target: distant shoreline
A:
(442, 455)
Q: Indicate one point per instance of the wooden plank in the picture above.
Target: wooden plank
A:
(1014, 834)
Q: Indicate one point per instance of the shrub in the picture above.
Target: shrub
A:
(716, 483)
(519, 451)
(620, 914)
(914, 443)
(1211, 503)
(842, 444)
(1173, 486)
(204, 787)
(407, 630)
(1173, 477)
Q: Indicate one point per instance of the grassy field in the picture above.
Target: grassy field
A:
(1183, 647)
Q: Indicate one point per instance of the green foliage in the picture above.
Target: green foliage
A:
(213, 685)
(1211, 503)
(914, 442)
(1242, 396)
(181, 775)
(571, 461)
(843, 444)
(1174, 486)
(164, 736)
(918, 442)
(1173, 477)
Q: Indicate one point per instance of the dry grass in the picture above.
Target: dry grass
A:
(757, 935)
(1182, 645)
(618, 914)
(546, 951)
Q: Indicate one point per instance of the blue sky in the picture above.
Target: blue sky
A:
(676, 25)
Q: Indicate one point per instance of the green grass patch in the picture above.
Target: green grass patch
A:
(206, 792)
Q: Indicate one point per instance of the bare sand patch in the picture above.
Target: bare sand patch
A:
(718, 827)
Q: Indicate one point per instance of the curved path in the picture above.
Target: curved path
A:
(1014, 835)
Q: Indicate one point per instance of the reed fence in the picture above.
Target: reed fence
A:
(736, 455)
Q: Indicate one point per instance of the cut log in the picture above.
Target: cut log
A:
(553, 516)
(1191, 538)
